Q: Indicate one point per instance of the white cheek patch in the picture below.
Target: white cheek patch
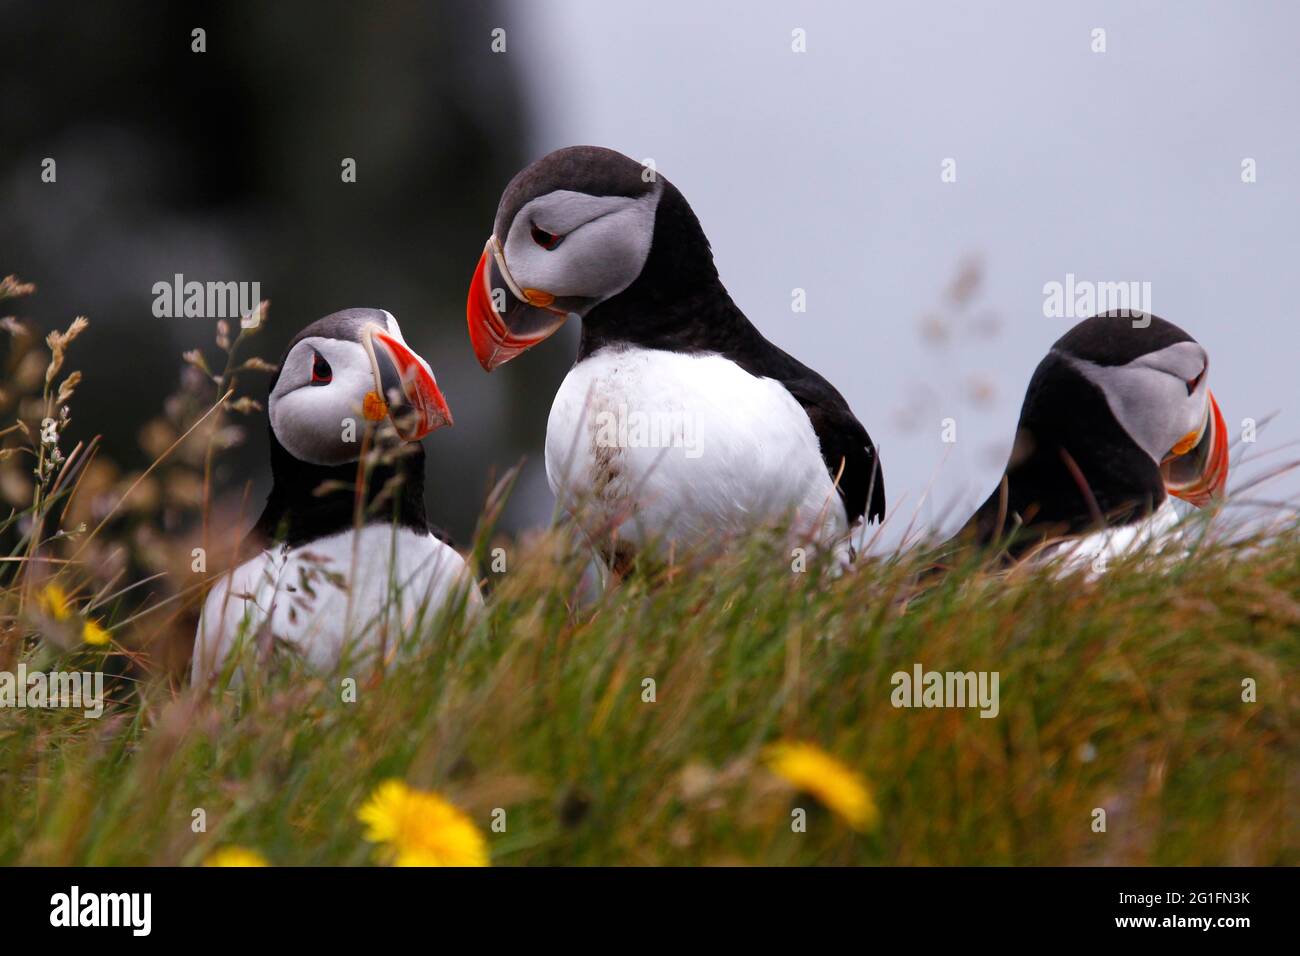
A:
(564, 210)
(310, 421)
(605, 245)
(1148, 396)
(1184, 360)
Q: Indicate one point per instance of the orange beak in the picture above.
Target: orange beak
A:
(406, 385)
(504, 320)
(1199, 471)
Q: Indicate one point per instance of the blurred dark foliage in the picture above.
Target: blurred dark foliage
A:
(225, 166)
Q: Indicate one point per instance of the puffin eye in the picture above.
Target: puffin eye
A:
(321, 373)
(546, 239)
(1191, 386)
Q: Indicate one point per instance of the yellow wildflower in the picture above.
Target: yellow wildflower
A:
(418, 828)
(235, 856)
(93, 633)
(53, 600)
(810, 769)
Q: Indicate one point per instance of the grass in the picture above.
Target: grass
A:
(1123, 693)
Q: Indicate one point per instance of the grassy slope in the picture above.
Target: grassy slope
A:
(1125, 694)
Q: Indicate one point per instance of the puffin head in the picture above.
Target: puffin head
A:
(572, 230)
(1155, 380)
(342, 371)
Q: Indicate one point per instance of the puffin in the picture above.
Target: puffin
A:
(1117, 421)
(333, 579)
(679, 427)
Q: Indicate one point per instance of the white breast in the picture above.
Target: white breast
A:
(685, 450)
(356, 591)
(1161, 533)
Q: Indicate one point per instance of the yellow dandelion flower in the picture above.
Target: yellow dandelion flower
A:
(93, 633)
(53, 600)
(418, 828)
(235, 856)
(812, 770)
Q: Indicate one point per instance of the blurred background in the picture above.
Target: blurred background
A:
(819, 170)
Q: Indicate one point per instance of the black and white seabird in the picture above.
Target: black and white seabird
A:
(324, 582)
(1117, 417)
(679, 423)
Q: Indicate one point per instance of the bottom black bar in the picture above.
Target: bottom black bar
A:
(1223, 904)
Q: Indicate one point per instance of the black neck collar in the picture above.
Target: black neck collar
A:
(295, 513)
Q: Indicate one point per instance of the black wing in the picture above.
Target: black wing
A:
(846, 447)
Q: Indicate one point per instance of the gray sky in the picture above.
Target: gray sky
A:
(821, 170)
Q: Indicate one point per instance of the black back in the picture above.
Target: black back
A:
(1074, 468)
(678, 303)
